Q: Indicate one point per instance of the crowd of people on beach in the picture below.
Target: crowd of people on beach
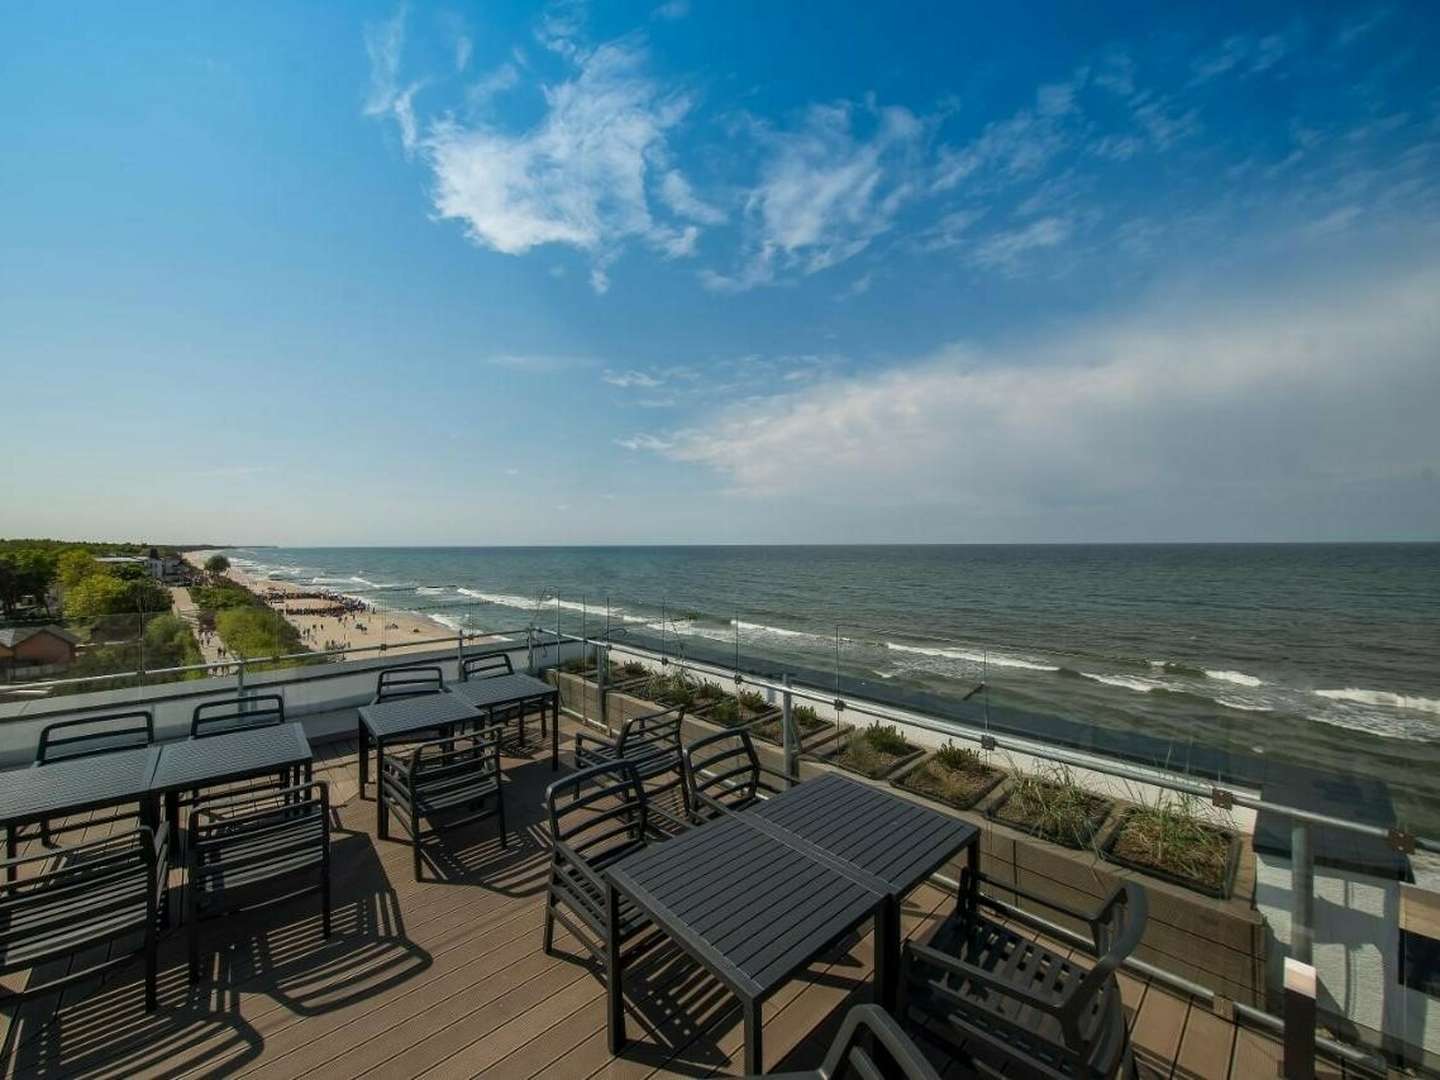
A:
(333, 605)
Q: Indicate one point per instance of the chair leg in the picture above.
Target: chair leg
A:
(415, 844)
(615, 1000)
(548, 945)
(500, 812)
(325, 900)
(45, 833)
(194, 938)
(152, 995)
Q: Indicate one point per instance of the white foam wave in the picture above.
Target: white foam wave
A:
(761, 628)
(1353, 695)
(972, 656)
(1230, 703)
(1239, 678)
(443, 620)
(429, 590)
(1126, 682)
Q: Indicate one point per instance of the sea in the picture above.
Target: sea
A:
(1322, 654)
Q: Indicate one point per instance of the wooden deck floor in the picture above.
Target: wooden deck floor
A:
(446, 978)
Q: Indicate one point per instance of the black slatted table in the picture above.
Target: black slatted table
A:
(890, 839)
(509, 691)
(192, 764)
(746, 905)
(29, 796)
(402, 719)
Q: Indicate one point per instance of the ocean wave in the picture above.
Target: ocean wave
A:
(971, 656)
(1230, 703)
(761, 628)
(1126, 682)
(429, 590)
(444, 620)
(1355, 696)
(1239, 678)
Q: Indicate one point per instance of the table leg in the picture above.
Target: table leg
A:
(615, 1001)
(754, 1052)
(887, 953)
(149, 814)
(382, 813)
(11, 849)
(362, 737)
(555, 731)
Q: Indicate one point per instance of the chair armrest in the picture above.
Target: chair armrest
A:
(574, 860)
(887, 1031)
(582, 737)
(262, 800)
(955, 966)
(666, 816)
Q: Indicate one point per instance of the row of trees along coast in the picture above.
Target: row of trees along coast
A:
(125, 622)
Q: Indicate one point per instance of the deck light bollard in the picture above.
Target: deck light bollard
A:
(1300, 990)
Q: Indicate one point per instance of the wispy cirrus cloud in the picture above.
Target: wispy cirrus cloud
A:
(384, 42)
(825, 191)
(1115, 416)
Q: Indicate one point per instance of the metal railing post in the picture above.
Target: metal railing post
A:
(530, 649)
(787, 734)
(602, 661)
(1302, 890)
(240, 675)
(1299, 1020)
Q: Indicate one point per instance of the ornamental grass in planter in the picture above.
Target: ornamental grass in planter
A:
(875, 751)
(678, 689)
(954, 775)
(744, 708)
(1052, 805)
(1170, 840)
(808, 725)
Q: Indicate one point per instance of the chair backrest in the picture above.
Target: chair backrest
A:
(224, 830)
(723, 770)
(866, 1029)
(645, 739)
(236, 714)
(456, 762)
(408, 682)
(1087, 1003)
(68, 739)
(487, 666)
(48, 914)
(597, 809)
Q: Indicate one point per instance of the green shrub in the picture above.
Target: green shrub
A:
(887, 739)
(725, 711)
(707, 691)
(806, 718)
(960, 759)
(753, 700)
(634, 669)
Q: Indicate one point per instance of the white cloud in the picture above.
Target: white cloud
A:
(1006, 250)
(1239, 400)
(859, 287)
(676, 193)
(824, 194)
(673, 10)
(463, 48)
(645, 442)
(480, 92)
(384, 42)
(627, 379)
(578, 177)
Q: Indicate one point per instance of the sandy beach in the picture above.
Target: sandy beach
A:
(366, 628)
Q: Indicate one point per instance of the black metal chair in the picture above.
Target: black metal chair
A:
(94, 895)
(651, 743)
(404, 682)
(444, 783)
(853, 1053)
(723, 773)
(1008, 1005)
(493, 665)
(66, 740)
(598, 815)
(249, 851)
(236, 714)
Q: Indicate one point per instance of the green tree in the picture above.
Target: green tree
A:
(98, 595)
(217, 564)
(25, 573)
(73, 566)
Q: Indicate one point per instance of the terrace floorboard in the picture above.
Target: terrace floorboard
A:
(445, 978)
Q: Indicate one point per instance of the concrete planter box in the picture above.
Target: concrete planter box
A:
(903, 780)
(813, 742)
(830, 754)
(1220, 893)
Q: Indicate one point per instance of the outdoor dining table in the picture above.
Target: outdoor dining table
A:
(755, 896)
(894, 840)
(500, 692)
(189, 764)
(746, 905)
(401, 718)
(31, 795)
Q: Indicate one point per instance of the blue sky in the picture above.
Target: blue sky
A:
(701, 272)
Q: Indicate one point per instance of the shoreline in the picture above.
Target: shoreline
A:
(333, 621)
